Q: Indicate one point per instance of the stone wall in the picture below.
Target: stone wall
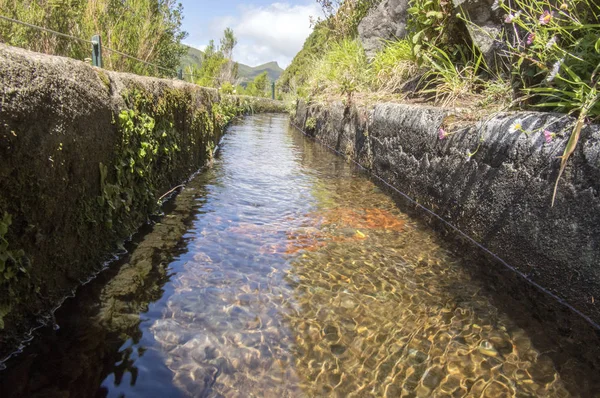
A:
(85, 154)
(500, 196)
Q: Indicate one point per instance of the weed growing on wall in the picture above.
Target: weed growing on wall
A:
(13, 265)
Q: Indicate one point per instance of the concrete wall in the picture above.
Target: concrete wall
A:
(500, 197)
(84, 156)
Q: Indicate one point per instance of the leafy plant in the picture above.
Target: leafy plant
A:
(428, 24)
(11, 261)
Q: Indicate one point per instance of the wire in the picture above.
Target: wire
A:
(460, 232)
(139, 60)
(158, 67)
(45, 29)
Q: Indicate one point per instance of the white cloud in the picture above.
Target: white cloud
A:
(268, 33)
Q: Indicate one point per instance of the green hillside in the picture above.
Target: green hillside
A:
(248, 73)
(245, 73)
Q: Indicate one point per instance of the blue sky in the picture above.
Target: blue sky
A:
(267, 30)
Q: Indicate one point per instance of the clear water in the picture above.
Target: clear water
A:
(282, 271)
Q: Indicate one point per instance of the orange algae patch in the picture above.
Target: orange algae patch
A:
(308, 238)
(364, 219)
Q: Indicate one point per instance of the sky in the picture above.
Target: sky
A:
(267, 30)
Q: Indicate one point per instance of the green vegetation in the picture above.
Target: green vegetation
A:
(550, 61)
(146, 29)
(296, 74)
(343, 70)
(217, 69)
(13, 265)
(157, 134)
(552, 58)
(216, 66)
(246, 73)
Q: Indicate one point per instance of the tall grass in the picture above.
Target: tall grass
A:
(146, 29)
(343, 69)
(392, 66)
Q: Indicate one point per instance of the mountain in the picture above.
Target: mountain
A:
(245, 73)
(248, 73)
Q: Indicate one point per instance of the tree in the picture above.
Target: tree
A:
(258, 87)
(217, 66)
(229, 71)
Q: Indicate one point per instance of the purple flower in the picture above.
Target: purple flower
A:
(442, 133)
(546, 17)
(530, 39)
(548, 136)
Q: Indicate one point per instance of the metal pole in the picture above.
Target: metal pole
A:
(97, 51)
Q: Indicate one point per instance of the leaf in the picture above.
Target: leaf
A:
(416, 37)
(435, 14)
(573, 139)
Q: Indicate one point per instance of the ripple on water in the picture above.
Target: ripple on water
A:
(295, 277)
(349, 298)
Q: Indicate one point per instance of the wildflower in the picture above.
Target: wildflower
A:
(517, 126)
(555, 70)
(564, 7)
(551, 42)
(511, 17)
(442, 133)
(530, 39)
(546, 17)
(548, 136)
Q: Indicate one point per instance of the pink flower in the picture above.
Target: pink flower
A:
(546, 17)
(442, 133)
(530, 39)
(548, 136)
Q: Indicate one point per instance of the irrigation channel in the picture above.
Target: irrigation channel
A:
(283, 271)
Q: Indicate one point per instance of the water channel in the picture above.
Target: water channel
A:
(283, 271)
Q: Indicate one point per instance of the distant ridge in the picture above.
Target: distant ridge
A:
(245, 73)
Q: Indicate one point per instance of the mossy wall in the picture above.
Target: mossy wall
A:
(85, 155)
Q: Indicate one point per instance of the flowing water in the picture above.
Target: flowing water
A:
(282, 271)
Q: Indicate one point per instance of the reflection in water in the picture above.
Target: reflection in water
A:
(284, 272)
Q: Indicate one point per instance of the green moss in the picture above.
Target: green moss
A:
(104, 77)
(158, 133)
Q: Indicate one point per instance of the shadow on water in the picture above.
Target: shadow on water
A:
(283, 271)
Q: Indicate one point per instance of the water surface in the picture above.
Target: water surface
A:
(282, 271)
